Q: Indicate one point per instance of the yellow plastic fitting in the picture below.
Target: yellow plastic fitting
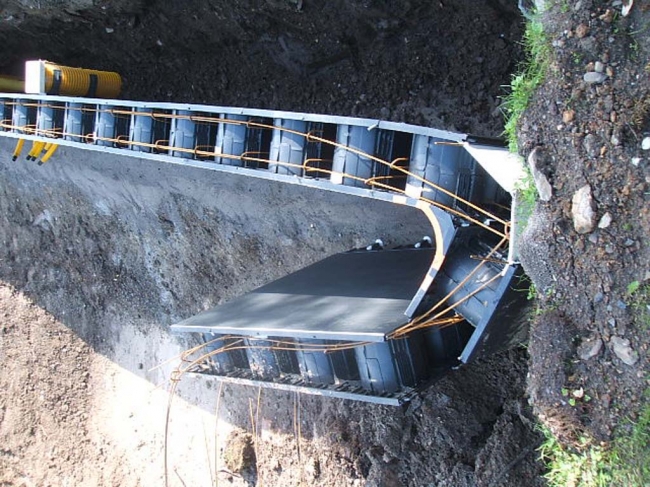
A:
(44, 77)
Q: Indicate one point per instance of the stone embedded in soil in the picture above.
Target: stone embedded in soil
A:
(627, 7)
(582, 210)
(599, 67)
(582, 30)
(542, 185)
(645, 143)
(590, 348)
(605, 220)
(621, 348)
(591, 145)
(594, 78)
(568, 116)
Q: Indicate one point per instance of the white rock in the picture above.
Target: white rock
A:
(599, 67)
(621, 348)
(627, 6)
(636, 161)
(109, 30)
(542, 185)
(582, 210)
(605, 220)
(645, 143)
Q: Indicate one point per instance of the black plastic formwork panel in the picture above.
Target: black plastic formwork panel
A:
(50, 118)
(288, 147)
(6, 113)
(23, 115)
(110, 125)
(231, 139)
(394, 148)
(141, 130)
(319, 154)
(258, 143)
(79, 122)
(220, 359)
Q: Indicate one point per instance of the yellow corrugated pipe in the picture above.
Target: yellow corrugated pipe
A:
(11, 84)
(64, 80)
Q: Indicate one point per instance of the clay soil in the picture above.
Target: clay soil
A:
(101, 254)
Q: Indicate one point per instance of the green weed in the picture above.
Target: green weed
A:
(525, 201)
(626, 462)
(639, 301)
(531, 74)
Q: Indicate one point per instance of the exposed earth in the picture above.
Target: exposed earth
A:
(101, 254)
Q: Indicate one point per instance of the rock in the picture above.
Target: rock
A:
(582, 30)
(599, 67)
(542, 185)
(589, 348)
(594, 77)
(109, 30)
(645, 143)
(590, 144)
(582, 210)
(627, 7)
(568, 116)
(605, 220)
(608, 16)
(636, 161)
(621, 348)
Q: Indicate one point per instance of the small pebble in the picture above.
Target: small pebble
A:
(621, 305)
(609, 248)
(645, 143)
(594, 78)
(636, 161)
(605, 220)
(628, 242)
(582, 30)
(598, 297)
(599, 67)
(568, 116)
(109, 30)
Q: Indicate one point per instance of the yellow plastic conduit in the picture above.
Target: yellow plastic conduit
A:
(11, 84)
(63, 80)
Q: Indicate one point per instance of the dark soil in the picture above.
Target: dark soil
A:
(438, 63)
(591, 134)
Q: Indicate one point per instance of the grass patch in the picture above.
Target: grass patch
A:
(526, 199)
(639, 300)
(531, 74)
(626, 462)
